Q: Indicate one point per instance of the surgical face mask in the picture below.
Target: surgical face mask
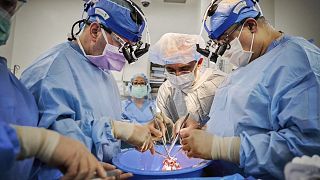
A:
(5, 24)
(139, 91)
(236, 54)
(182, 82)
(110, 59)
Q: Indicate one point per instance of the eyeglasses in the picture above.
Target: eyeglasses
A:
(139, 83)
(225, 37)
(210, 11)
(118, 39)
(114, 36)
(181, 70)
(178, 73)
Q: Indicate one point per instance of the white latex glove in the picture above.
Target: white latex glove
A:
(190, 124)
(164, 123)
(134, 134)
(113, 173)
(165, 119)
(304, 167)
(201, 144)
(70, 156)
(307, 160)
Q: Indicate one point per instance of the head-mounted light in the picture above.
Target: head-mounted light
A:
(212, 49)
(131, 51)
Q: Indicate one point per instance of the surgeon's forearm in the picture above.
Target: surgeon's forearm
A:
(226, 148)
(36, 142)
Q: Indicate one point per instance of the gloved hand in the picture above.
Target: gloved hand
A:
(304, 167)
(78, 163)
(201, 144)
(164, 122)
(190, 124)
(134, 134)
(113, 173)
(307, 160)
(70, 156)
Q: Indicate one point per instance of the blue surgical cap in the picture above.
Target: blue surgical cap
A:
(230, 12)
(116, 15)
(145, 79)
(140, 75)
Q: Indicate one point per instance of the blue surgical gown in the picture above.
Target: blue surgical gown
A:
(76, 99)
(273, 104)
(18, 107)
(135, 114)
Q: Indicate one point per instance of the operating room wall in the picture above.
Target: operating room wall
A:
(267, 7)
(41, 24)
(300, 18)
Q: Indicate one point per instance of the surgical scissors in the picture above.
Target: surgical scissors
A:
(164, 143)
(202, 123)
(177, 135)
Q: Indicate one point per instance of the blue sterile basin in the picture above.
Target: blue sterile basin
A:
(148, 166)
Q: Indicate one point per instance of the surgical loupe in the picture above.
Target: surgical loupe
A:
(131, 51)
(214, 50)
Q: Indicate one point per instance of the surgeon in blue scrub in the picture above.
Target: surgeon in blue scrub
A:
(20, 143)
(75, 90)
(268, 110)
(136, 109)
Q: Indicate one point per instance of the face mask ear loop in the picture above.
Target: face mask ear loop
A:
(195, 67)
(80, 45)
(79, 42)
(102, 31)
(241, 30)
(252, 42)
